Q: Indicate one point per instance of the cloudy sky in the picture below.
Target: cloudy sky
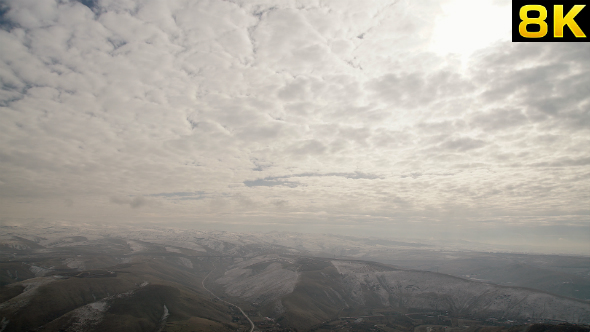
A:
(397, 118)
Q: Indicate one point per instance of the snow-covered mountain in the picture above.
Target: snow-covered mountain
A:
(300, 280)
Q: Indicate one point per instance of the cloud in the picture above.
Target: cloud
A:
(269, 183)
(135, 202)
(308, 147)
(416, 89)
(499, 119)
(277, 180)
(549, 83)
(228, 106)
(462, 144)
(181, 195)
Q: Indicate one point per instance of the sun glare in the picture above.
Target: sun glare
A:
(466, 26)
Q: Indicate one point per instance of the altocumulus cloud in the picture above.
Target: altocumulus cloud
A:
(292, 113)
(135, 202)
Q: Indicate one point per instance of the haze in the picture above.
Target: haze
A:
(376, 118)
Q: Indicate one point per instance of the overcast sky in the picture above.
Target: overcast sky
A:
(408, 118)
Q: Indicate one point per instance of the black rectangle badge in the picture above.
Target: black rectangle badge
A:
(550, 21)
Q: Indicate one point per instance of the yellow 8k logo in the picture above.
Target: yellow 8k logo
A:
(526, 20)
(561, 21)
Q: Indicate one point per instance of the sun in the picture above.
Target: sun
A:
(468, 25)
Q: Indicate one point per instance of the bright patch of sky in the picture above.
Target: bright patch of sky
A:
(465, 26)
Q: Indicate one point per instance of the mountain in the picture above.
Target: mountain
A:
(308, 291)
(127, 279)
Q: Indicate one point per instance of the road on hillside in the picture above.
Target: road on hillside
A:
(231, 304)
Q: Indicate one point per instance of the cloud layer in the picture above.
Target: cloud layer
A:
(305, 112)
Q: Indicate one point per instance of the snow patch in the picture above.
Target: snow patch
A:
(420, 289)
(136, 246)
(39, 271)
(77, 264)
(185, 262)
(4, 323)
(269, 284)
(31, 286)
(278, 308)
(164, 319)
(89, 315)
(171, 249)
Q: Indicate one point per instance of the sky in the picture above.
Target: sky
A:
(402, 119)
